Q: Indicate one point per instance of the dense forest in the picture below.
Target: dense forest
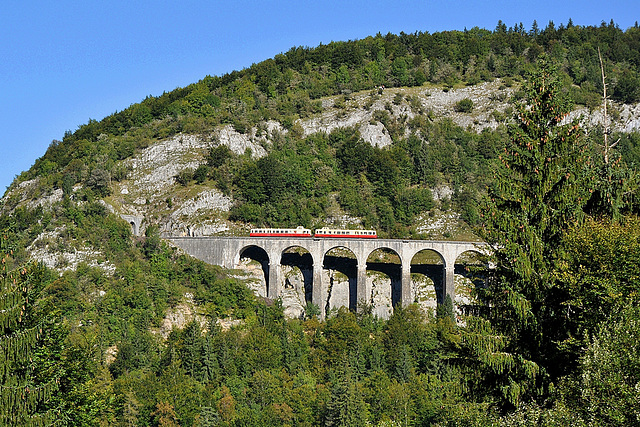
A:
(552, 340)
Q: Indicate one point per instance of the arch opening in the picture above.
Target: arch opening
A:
(297, 280)
(340, 270)
(384, 281)
(470, 276)
(427, 279)
(134, 229)
(254, 261)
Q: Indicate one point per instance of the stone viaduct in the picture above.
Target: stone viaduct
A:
(227, 251)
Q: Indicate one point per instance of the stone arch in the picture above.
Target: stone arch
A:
(296, 290)
(340, 274)
(470, 269)
(384, 280)
(427, 278)
(254, 260)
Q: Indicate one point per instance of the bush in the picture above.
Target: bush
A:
(464, 106)
(627, 89)
(184, 176)
(200, 174)
(218, 155)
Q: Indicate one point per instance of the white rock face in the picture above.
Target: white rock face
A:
(424, 292)
(178, 317)
(50, 249)
(444, 222)
(628, 119)
(338, 288)
(204, 201)
(292, 291)
(381, 298)
(239, 143)
(198, 216)
(486, 98)
(253, 271)
(155, 168)
(442, 192)
(375, 134)
(47, 201)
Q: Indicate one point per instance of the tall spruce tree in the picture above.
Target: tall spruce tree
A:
(538, 192)
(25, 387)
(346, 406)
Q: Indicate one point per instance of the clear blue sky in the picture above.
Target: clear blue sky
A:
(64, 62)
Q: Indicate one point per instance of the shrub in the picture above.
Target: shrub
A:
(464, 106)
(184, 176)
(200, 174)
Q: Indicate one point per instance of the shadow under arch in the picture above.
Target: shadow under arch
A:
(249, 255)
(387, 266)
(470, 271)
(427, 278)
(341, 267)
(299, 277)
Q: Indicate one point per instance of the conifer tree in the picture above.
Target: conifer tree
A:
(539, 191)
(346, 406)
(24, 388)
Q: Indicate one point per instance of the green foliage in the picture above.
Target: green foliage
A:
(613, 182)
(28, 378)
(538, 193)
(464, 106)
(218, 156)
(627, 89)
(610, 371)
(184, 177)
(445, 310)
(346, 406)
(599, 275)
(200, 174)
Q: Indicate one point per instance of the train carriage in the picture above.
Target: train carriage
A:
(280, 232)
(358, 234)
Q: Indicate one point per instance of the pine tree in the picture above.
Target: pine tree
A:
(210, 365)
(539, 192)
(346, 406)
(24, 388)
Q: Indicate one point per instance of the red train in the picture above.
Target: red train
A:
(360, 234)
(280, 232)
(305, 232)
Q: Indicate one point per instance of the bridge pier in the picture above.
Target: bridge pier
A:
(361, 284)
(449, 282)
(318, 288)
(273, 285)
(405, 283)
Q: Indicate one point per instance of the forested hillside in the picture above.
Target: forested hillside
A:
(495, 135)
